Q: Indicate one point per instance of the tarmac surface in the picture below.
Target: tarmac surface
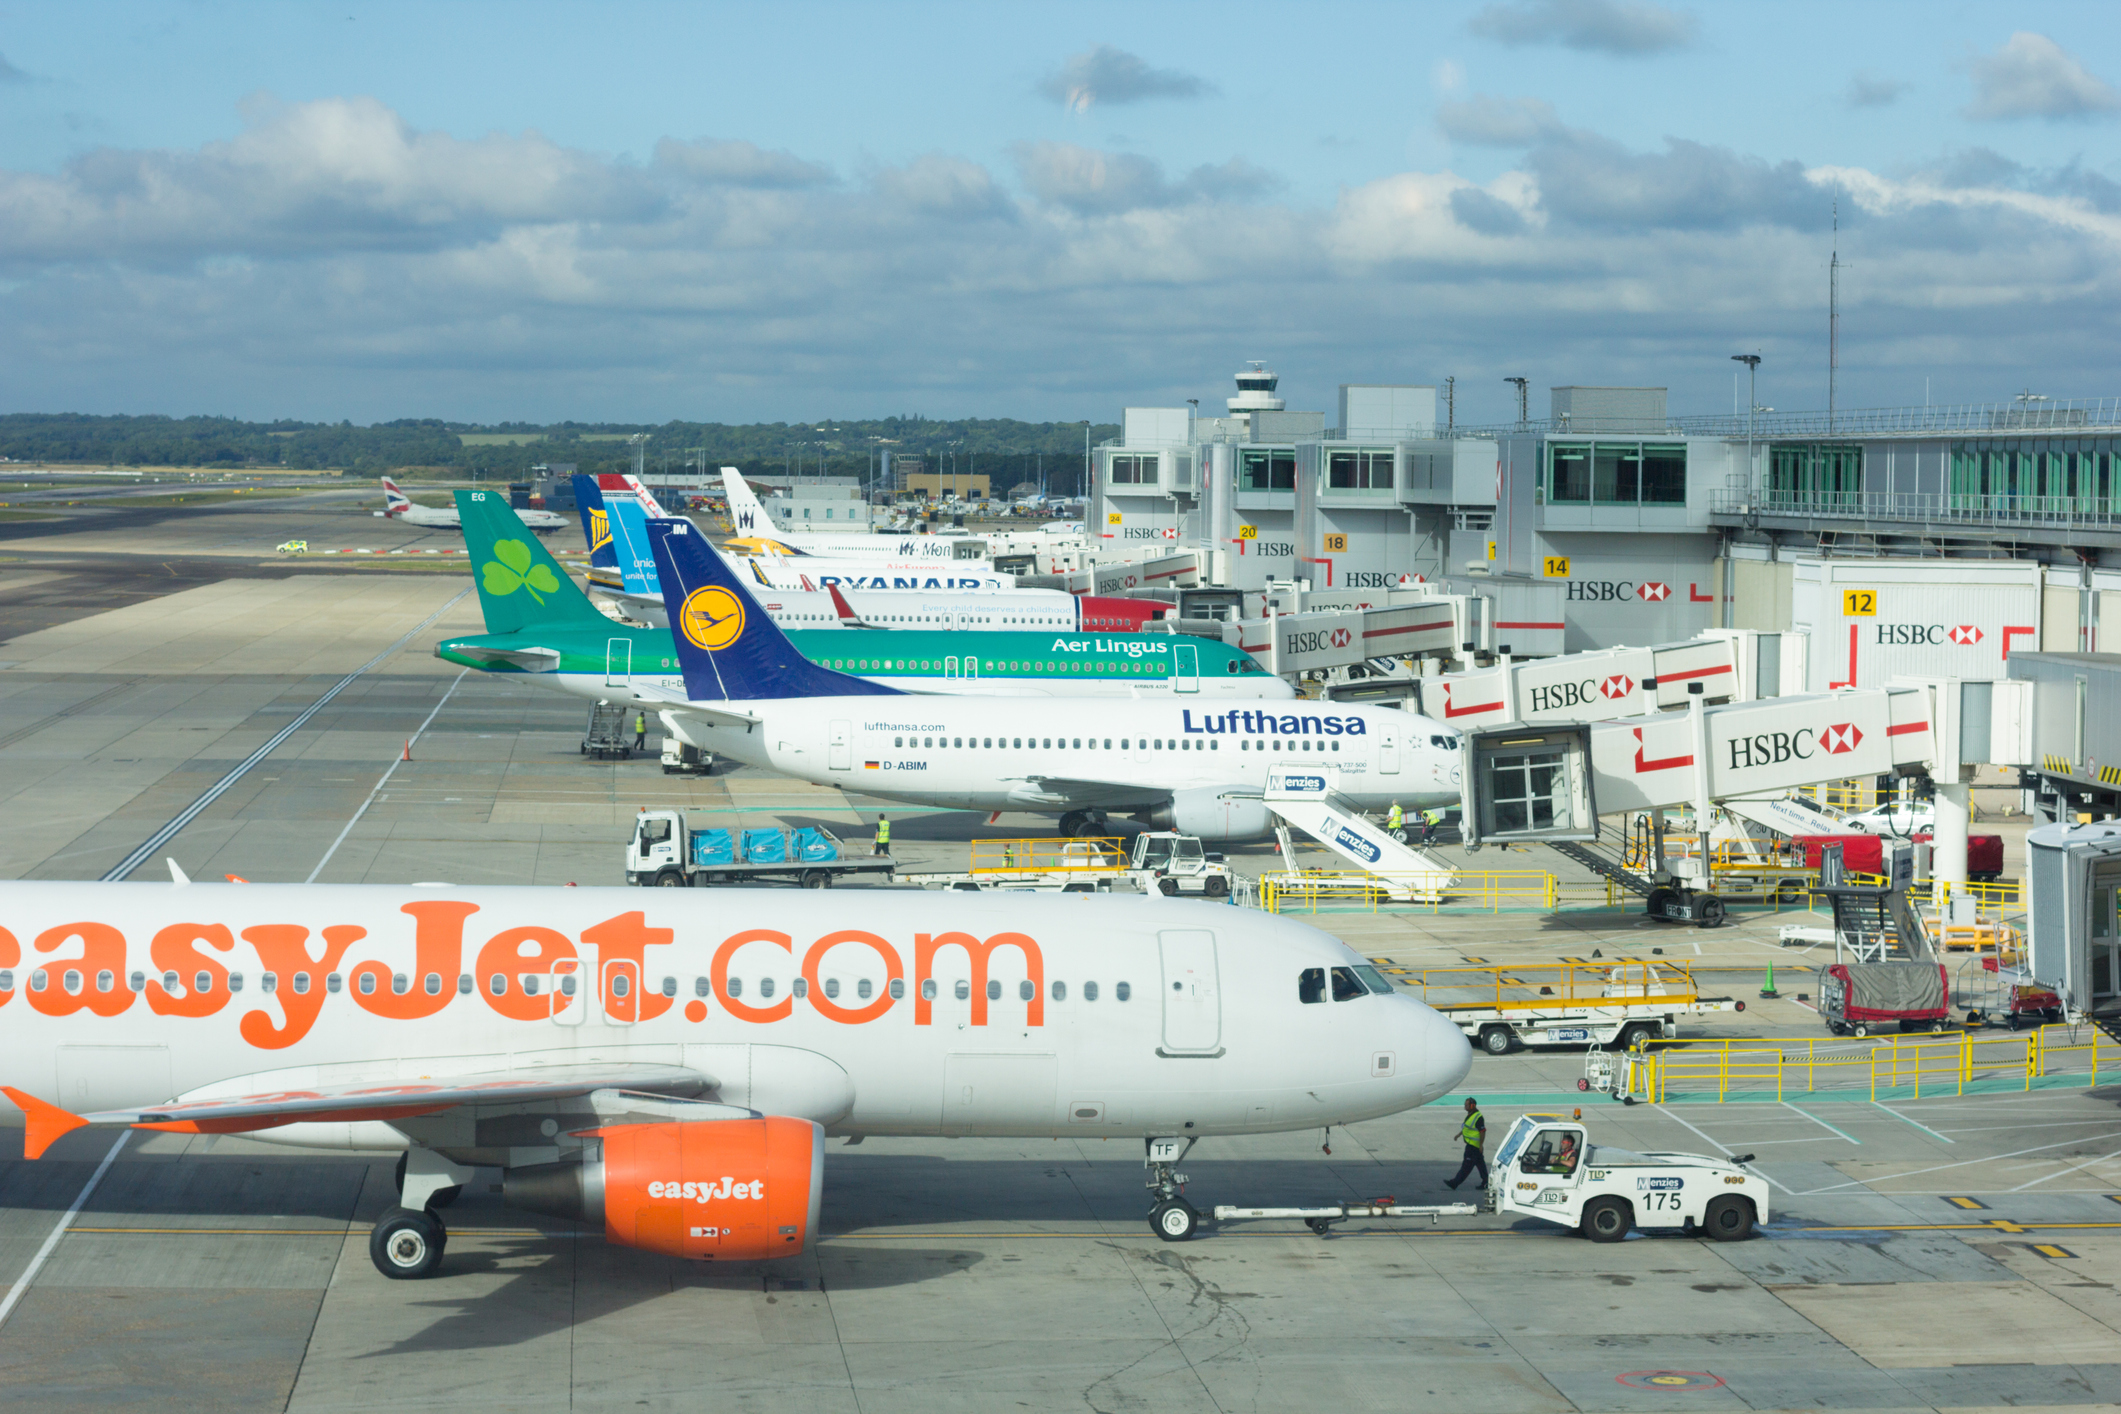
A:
(1947, 1252)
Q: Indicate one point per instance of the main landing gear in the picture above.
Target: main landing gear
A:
(409, 1241)
(1171, 1217)
(1078, 823)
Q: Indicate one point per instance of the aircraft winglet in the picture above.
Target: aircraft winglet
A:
(47, 1124)
(845, 610)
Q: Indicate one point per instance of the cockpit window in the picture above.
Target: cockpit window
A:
(1311, 985)
(1374, 980)
(1347, 986)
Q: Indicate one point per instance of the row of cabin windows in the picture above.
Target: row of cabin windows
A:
(977, 743)
(1348, 983)
(863, 989)
(989, 665)
(531, 983)
(72, 980)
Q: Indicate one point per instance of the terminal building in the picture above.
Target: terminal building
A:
(1915, 540)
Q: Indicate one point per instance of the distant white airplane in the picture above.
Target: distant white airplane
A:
(399, 506)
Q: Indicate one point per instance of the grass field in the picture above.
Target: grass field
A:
(25, 515)
(190, 498)
(499, 439)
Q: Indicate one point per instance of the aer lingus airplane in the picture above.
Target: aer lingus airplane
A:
(399, 506)
(538, 622)
(666, 1067)
(1176, 762)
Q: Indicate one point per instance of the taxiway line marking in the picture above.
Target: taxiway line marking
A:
(1823, 1124)
(1918, 1124)
(219, 788)
(385, 781)
(1666, 1111)
(36, 1263)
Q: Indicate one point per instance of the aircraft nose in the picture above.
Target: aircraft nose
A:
(1446, 1054)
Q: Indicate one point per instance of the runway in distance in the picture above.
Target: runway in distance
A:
(1175, 763)
(667, 1066)
(539, 623)
(399, 506)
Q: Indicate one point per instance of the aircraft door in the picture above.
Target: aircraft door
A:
(622, 992)
(972, 665)
(841, 746)
(1193, 1018)
(1388, 752)
(564, 985)
(618, 662)
(1185, 668)
(949, 669)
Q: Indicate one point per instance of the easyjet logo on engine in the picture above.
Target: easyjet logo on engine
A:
(705, 1192)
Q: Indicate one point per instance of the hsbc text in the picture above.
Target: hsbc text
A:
(1563, 694)
(1770, 748)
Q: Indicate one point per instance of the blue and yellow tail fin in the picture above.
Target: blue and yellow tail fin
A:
(729, 647)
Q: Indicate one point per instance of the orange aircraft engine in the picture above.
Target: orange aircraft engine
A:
(737, 1190)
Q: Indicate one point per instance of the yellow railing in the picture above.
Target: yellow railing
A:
(1043, 856)
(1924, 1064)
(1492, 889)
(2000, 893)
(1857, 794)
(1548, 985)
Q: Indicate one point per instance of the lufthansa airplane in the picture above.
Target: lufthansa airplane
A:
(1199, 768)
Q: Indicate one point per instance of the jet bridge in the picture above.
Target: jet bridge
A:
(1547, 781)
(1732, 665)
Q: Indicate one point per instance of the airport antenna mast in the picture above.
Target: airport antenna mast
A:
(1450, 402)
(1833, 318)
(1522, 384)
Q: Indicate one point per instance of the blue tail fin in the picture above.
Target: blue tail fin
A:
(629, 541)
(728, 646)
(596, 522)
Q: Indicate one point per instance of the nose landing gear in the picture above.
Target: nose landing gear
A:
(1171, 1217)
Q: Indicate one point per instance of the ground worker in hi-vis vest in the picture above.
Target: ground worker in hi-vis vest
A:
(1395, 818)
(640, 731)
(883, 834)
(1474, 1133)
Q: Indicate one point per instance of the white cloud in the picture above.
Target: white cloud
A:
(737, 163)
(330, 261)
(2031, 76)
(1487, 121)
(1085, 180)
(1103, 74)
(1626, 27)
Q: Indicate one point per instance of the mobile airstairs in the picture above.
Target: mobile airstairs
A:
(1309, 799)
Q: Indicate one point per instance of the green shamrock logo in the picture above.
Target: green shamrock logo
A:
(510, 569)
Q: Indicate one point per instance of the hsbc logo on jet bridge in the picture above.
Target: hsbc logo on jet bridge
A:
(1560, 696)
(1774, 748)
(1316, 641)
(1601, 591)
(1930, 635)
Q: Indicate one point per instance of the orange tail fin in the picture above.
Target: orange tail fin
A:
(47, 1123)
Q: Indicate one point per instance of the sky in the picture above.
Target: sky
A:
(795, 211)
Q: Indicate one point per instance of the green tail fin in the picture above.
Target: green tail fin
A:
(520, 585)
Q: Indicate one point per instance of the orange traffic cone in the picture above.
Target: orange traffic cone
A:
(408, 750)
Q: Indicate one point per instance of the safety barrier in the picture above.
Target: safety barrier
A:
(1305, 890)
(1892, 1066)
(1996, 894)
(1045, 856)
(1621, 982)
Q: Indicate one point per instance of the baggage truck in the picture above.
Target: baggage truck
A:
(1860, 998)
(668, 852)
(1865, 854)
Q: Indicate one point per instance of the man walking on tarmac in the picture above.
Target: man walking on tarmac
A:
(1474, 1132)
(883, 834)
(640, 731)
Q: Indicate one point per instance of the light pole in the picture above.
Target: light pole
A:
(1752, 401)
(1522, 410)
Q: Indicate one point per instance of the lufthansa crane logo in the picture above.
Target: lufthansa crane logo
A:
(712, 618)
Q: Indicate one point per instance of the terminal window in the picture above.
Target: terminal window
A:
(1266, 469)
(2037, 475)
(1134, 471)
(1616, 473)
(1815, 475)
(1355, 469)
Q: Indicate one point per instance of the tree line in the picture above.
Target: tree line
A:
(1007, 450)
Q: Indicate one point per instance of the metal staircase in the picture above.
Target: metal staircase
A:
(1603, 865)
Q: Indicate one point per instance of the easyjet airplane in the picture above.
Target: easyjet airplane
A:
(667, 1067)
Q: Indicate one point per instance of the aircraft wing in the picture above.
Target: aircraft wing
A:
(671, 700)
(1076, 793)
(368, 1100)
